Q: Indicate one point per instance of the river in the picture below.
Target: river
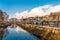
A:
(18, 34)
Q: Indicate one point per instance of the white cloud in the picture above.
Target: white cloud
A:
(54, 9)
(38, 11)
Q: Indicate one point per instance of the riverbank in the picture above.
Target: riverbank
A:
(43, 32)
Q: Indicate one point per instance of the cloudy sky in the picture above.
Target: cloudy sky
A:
(27, 8)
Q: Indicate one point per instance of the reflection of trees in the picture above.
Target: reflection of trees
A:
(3, 19)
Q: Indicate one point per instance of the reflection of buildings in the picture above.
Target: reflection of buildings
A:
(3, 16)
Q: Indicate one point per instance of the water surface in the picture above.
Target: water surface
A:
(18, 34)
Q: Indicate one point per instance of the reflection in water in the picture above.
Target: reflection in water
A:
(18, 34)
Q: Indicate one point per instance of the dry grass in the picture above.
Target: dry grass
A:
(44, 33)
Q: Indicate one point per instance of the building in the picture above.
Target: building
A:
(53, 18)
(12, 20)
